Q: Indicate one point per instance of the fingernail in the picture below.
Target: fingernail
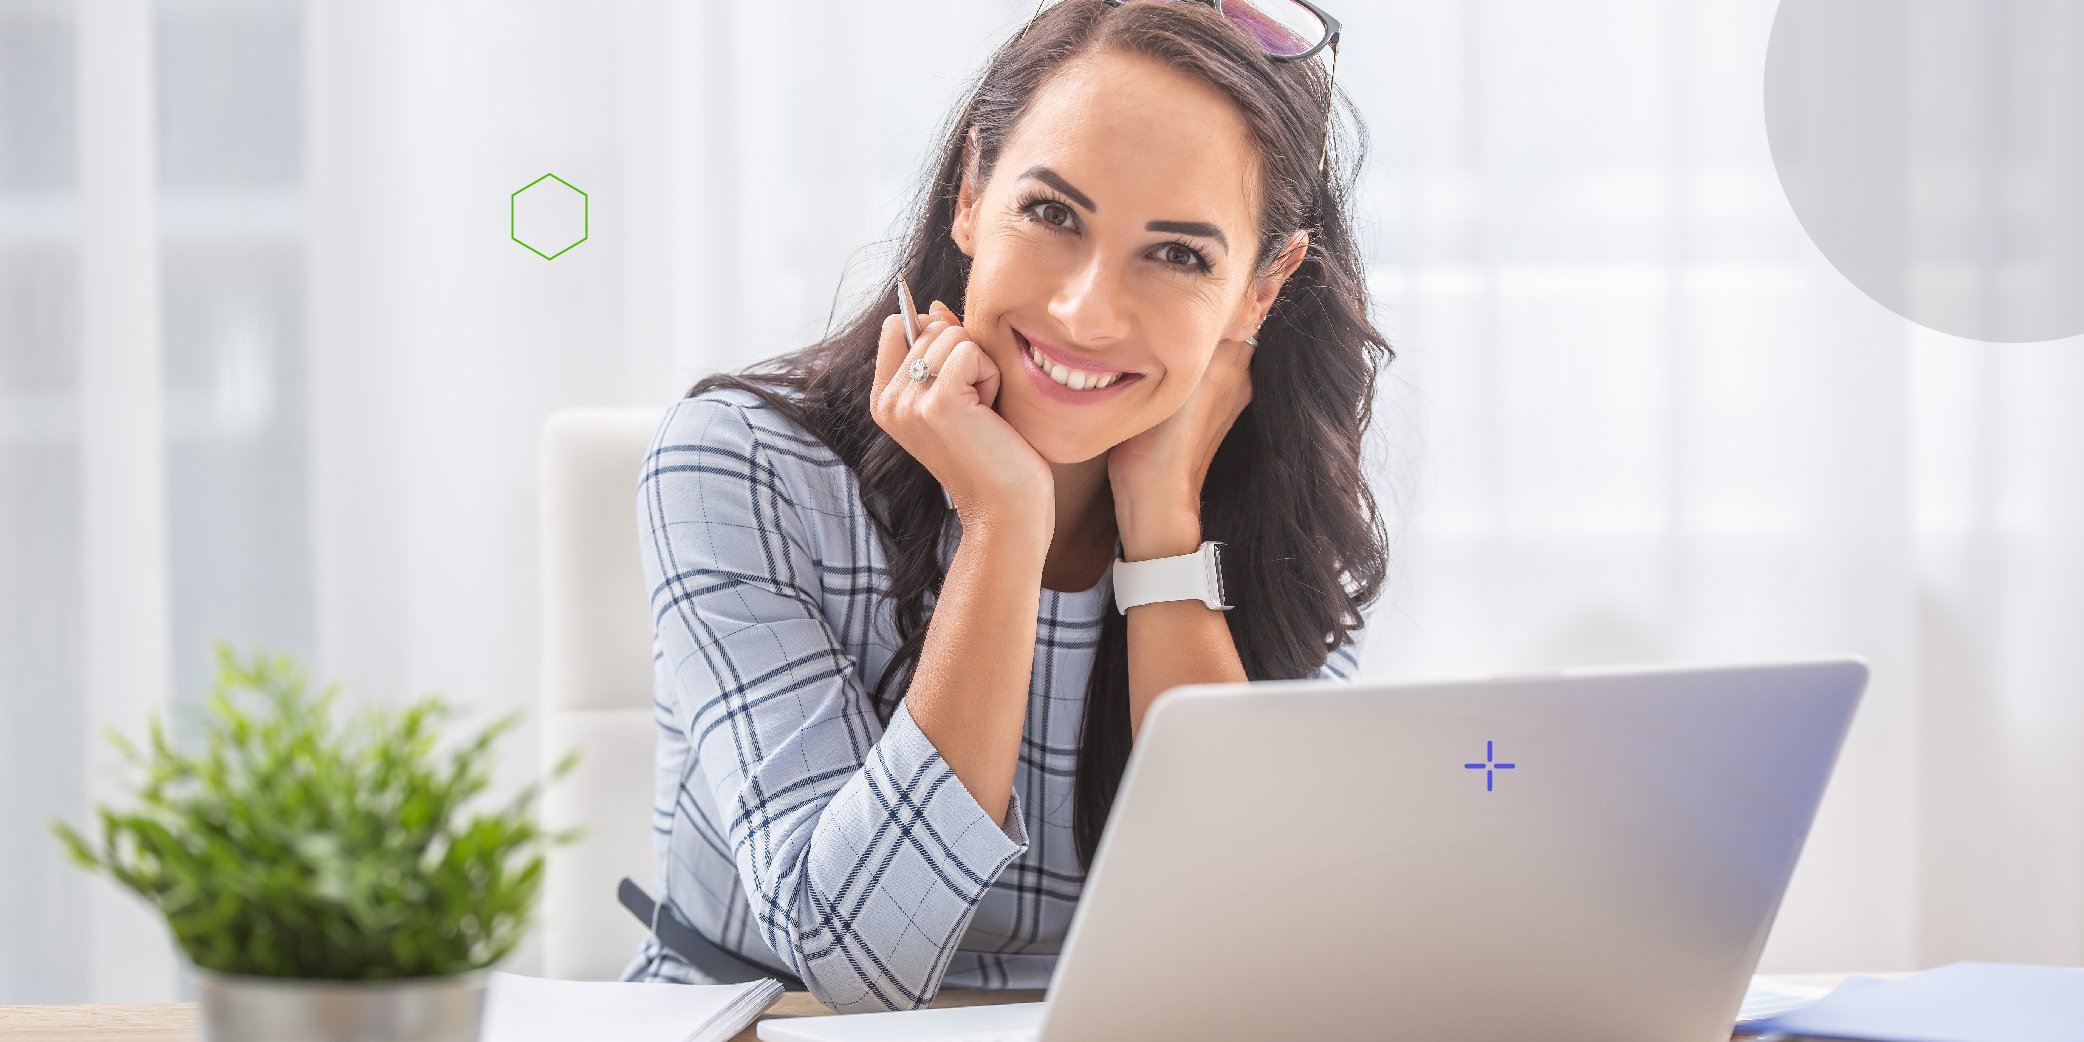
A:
(936, 306)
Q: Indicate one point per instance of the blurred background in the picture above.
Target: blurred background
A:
(271, 370)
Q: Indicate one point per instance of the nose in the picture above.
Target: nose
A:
(1088, 308)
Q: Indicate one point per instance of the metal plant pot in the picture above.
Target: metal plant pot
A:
(280, 1009)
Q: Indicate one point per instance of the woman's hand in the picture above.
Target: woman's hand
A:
(947, 423)
(1157, 475)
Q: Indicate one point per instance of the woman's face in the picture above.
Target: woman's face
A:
(1116, 235)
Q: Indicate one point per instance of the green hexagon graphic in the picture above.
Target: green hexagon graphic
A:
(551, 216)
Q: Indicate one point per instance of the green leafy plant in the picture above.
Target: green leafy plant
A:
(287, 848)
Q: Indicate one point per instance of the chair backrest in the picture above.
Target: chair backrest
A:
(597, 688)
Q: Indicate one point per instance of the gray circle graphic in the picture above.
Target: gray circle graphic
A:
(1934, 151)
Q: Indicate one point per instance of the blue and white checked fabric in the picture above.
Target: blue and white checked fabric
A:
(789, 825)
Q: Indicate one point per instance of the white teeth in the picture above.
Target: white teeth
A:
(1076, 379)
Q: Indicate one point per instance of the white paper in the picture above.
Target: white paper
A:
(537, 1009)
(1767, 998)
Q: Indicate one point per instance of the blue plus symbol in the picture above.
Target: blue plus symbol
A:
(1489, 765)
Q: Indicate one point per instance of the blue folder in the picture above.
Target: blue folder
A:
(1959, 1002)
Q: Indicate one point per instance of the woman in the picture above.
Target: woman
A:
(891, 731)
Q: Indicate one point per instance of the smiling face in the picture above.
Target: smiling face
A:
(1116, 234)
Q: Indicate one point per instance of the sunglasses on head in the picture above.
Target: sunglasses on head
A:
(1287, 30)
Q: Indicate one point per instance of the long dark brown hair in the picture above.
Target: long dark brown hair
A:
(1306, 548)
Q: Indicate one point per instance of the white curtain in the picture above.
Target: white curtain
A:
(271, 370)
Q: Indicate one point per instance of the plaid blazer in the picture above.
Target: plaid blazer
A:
(789, 825)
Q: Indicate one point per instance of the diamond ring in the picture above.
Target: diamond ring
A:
(919, 370)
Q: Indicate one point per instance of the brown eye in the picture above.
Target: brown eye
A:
(1040, 209)
(1185, 257)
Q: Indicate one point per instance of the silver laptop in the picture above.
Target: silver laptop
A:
(1589, 854)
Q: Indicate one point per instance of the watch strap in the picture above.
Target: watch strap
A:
(1188, 577)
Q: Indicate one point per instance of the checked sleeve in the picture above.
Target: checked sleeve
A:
(1344, 660)
(862, 853)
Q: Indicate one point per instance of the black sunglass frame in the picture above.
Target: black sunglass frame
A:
(1331, 28)
(1331, 40)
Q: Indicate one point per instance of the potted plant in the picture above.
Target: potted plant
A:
(325, 883)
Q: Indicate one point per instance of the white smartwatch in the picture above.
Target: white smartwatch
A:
(1189, 577)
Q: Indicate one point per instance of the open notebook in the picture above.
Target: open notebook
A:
(537, 1009)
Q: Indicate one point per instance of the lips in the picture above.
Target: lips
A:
(1057, 392)
(1057, 357)
(1071, 361)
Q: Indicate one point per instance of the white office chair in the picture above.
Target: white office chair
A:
(597, 693)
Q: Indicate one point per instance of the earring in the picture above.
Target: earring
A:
(1252, 340)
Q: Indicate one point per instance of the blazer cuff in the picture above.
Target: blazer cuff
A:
(951, 816)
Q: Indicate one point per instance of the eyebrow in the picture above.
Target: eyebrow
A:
(1056, 181)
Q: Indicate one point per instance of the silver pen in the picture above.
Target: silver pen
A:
(911, 314)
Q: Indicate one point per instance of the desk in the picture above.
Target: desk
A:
(176, 1021)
